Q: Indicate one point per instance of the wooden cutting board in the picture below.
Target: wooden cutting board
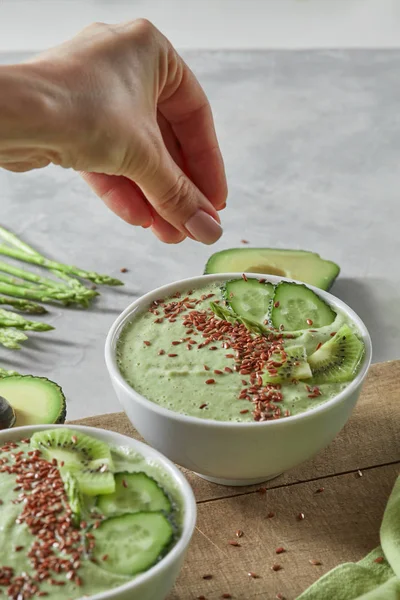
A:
(342, 494)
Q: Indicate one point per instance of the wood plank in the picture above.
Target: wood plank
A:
(370, 438)
(341, 524)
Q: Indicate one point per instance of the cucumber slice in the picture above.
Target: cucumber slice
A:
(132, 543)
(35, 400)
(294, 366)
(296, 307)
(250, 299)
(134, 492)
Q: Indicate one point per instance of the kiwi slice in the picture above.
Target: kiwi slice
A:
(338, 359)
(94, 483)
(87, 458)
(293, 366)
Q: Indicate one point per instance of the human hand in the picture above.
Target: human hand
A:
(131, 117)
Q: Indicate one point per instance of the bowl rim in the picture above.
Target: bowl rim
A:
(193, 282)
(187, 496)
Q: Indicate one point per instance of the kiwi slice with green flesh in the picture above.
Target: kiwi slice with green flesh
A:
(87, 458)
(296, 307)
(293, 366)
(338, 359)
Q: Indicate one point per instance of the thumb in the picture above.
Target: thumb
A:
(177, 200)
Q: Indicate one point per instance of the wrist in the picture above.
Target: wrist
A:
(33, 112)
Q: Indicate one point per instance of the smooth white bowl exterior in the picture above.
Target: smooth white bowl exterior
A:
(234, 453)
(157, 582)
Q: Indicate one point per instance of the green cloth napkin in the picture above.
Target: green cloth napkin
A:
(367, 579)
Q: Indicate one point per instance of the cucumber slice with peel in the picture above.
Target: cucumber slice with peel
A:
(250, 299)
(296, 308)
(132, 543)
(134, 492)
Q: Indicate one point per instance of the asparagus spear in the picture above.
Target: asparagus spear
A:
(37, 294)
(28, 276)
(22, 251)
(11, 338)
(23, 305)
(10, 319)
(12, 239)
(13, 281)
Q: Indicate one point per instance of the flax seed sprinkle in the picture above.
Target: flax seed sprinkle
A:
(58, 546)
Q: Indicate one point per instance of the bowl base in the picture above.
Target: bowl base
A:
(237, 482)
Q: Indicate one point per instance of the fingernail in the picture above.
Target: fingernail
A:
(204, 228)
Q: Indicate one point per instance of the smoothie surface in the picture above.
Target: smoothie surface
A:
(164, 359)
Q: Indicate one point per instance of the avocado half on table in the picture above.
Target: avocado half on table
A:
(28, 400)
(301, 265)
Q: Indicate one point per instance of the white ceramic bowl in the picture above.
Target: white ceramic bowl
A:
(157, 582)
(225, 452)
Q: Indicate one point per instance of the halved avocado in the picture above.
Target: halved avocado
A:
(301, 265)
(35, 400)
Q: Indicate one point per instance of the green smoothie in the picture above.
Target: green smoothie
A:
(169, 360)
(52, 540)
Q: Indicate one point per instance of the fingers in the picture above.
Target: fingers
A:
(176, 199)
(122, 196)
(185, 105)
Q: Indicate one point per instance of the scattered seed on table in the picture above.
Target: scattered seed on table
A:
(19, 548)
(234, 543)
(253, 575)
(280, 550)
(262, 280)
(359, 473)
(300, 516)
(206, 368)
(105, 557)
(276, 567)
(161, 352)
(379, 560)
(318, 346)
(262, 490)
(125, 485)
(280, 596)
(244, 241)
(276, 304)
(315, 562)
(244, 411)
(244, 277)
(239, 533)
(319, 490)
(123, 270)
(207, 577)
(147, 343)
(270, 515)
(172, 355)
(226, 596)
(333, 333)
(228, 370)
(201, 598)
(218, 372)
(203, 405)
(210, 381)
(309, 322)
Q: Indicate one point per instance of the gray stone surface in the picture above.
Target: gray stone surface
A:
(311, 142)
